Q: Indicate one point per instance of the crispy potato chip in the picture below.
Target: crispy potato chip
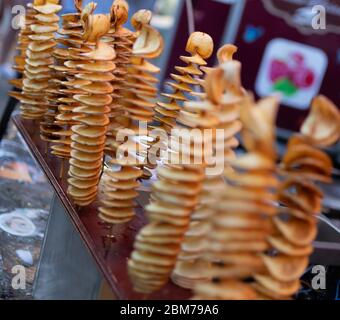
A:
(127, 173)
(284, 246)
(39, 46)
(92, 120)
(83, 184)
(149, 43)
(147, 258)
(86, 157)
(97, 88)
(244, 221)
(89, 131)
(103, 52)
(305, 151)
(122, 184)
(98, 77)
(98, 66)
(297, 231)
(47, 18)
(86, 140)
(285, 268)
(81, 193)
(200, 43)
(86, 148)
(188, 274)
(94, 100)
(42, 29)
(226, 53)
(40, 62)
(279, 287)
(83, 173)
(180, 175)
(42, 37)
(253, 179)
(240, 246)
(48, 8)
(148, 268)
(323, 123)
(266, 294)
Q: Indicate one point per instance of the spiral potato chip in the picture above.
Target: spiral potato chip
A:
(322, 125)
(241, 223)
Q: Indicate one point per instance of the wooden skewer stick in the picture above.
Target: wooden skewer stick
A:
(108, 240)
(61, 173)
(103, 167)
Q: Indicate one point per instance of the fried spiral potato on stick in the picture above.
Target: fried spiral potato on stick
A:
(89, 135)
(138, 105)
(173, 199)
(23, 42)
(184, 82)
(55, 127)
(186, 85)
(241, 222)
(189, 266)
(272, 252)
(119, 181)
(302, 166)
(122, 39)
(141, 95)
(66, 79)
(43, 24)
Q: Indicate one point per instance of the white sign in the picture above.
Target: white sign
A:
(293, 70)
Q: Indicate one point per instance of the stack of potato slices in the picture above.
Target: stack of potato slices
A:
(173, 199)
(119, 200)
(142, 82)
(122, 39)
(23, 42)
(48, 125)
(188, 270)
(301, 168)
(242, 221)
(65, 84)
(184, 82)
(43, 25)
(88, 138)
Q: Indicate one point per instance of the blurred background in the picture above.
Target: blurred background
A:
(280, 50)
